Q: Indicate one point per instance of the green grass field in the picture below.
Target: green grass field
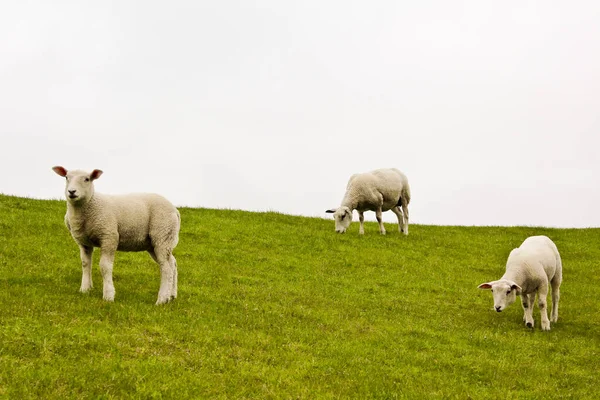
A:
(277, 306)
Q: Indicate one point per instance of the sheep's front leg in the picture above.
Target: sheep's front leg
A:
(361, 218)
(380, 220)
(86, 268)
(542, 304)
(396, 210)
(107, 258)
(528, 300)
(405, 212)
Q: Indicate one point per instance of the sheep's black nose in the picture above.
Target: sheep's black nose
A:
(72, 191)
(498, 309)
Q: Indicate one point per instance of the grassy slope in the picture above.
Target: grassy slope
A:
(275, 306)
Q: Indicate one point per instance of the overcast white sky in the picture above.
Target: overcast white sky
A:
(492, 109)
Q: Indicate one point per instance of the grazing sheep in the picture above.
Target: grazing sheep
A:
(529, 270)
(379, 190)
(133, 222)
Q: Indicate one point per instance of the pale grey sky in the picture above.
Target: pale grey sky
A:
(490, 108)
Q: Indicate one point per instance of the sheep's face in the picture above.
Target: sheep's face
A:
(79, 184)
(343, 218)
(504, 292)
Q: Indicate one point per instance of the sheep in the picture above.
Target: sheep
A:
(133, 222)
(529, 270)
(379, 190)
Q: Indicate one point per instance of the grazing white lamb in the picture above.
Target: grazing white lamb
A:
(133, 222)
(379, 190)
(529, 270)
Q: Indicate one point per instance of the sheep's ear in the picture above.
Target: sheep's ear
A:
(487, 286)
(331, 210)
(95, 174)
(516, 287)
(60, 171)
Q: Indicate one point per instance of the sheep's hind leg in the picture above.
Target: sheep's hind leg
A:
(174, 288)
(106, 268)
(167, 274)
(396, 210)
(555, 283)
(86, 268)
(380, 220)
(555, 299)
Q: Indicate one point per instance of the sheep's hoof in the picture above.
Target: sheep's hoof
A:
(383, 232)
(84, 289)
(108, 296)
(530, 324)
(546, 327)
(162, 300)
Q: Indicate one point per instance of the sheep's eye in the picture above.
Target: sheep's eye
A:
(508, 292)
(87, 179)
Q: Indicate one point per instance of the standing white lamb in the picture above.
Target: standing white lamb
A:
(529, 270)
(133, 222)
(379, 190)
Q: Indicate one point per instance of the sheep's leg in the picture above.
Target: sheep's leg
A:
(174, 288)
(86, 267)
(528, 300)
(173, 264)
(542, 297)
(380, 220)
(555, 282)
(405, 212)
(555, 299)
(107, 258)
(361, 218)
(396, 210)
(167, 274)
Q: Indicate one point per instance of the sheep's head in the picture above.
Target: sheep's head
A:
(80, 184)
(504, 291)
(342, 217)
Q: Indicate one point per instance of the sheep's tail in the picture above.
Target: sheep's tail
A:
(177, 228)
(558, 274)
